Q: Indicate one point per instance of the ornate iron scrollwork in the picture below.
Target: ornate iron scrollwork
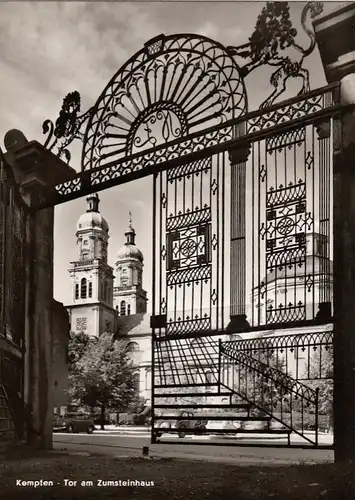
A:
(269, 45)
(67, 126)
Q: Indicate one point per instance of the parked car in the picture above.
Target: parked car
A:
(125, 418)
(59, 424)
(143, 417)
(181, 424)
(97, 419)
(74, 422)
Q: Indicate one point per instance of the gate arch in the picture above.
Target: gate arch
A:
(174, 86)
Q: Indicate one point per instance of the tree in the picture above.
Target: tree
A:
(76, 347)
(78, 343)
(320, 374)
(268, 389)
(102, 375)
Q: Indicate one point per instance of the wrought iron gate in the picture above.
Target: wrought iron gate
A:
(242, 233)
(271, 268)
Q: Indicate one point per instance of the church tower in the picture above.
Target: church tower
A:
(91, 310)
(129, 296)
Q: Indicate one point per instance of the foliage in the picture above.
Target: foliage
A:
(273, 31)
(76, 348)
(179, 388)
(101, 374)
(321, 364)
(262, 386)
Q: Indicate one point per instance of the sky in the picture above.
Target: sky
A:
(48, 49)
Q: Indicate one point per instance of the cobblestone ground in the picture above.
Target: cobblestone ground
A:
(80, 476)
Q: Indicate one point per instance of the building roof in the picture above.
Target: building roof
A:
(129, 252)
(134, 324)
(92, 219)
(314, 266)
(129, 249)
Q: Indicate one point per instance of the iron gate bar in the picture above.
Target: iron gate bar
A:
(82, 185)
(247, 445)
(86, 182)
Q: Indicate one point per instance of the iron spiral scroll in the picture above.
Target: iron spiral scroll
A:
(174, 86)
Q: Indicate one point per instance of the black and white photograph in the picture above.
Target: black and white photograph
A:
(177, 250)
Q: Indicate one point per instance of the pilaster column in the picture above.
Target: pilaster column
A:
(35, 170)
(344, 279)
(238, 158)
(335, 37)
(323, 129)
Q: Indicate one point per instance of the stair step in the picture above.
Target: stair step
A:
(215, 418)
(240, 406)
(192, 395)
(225, 431)
(258, 431)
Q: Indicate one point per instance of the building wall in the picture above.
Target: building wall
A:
(61, 330)
(107, 320)
(143, 359)
(84, 319)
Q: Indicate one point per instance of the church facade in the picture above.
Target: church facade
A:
(106, 298)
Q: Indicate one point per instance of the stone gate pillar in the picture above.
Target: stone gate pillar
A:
(336, 41)
(35, 169)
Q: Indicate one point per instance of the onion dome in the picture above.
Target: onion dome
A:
(92, 219)
(129, 249)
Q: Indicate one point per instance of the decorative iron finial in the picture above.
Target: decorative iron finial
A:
(130, 232)
(272, 36)
(67, 126)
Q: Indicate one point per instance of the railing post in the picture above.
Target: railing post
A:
(316, 422)
(219, 364)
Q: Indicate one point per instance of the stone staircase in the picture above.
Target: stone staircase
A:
(282, 400)
(217, 416)
(7, 426)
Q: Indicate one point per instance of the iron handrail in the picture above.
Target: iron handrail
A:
(291, 387)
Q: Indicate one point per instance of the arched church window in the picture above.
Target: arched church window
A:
(77, 291)
(123, 308)
(132, 347)
(83, 288)
(90, 289)
(133, 352)
(116, 308)
(128, 309)
(106, 291)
